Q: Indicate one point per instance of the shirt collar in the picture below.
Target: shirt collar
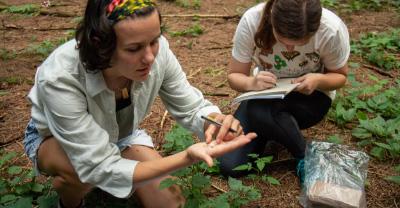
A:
(95, 83)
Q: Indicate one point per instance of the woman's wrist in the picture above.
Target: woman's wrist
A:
(188, 158)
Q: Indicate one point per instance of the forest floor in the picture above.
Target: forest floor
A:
(28, 39)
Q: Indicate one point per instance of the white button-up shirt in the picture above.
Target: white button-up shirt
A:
(78, 109)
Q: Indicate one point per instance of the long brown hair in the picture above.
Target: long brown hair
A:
(292, 19)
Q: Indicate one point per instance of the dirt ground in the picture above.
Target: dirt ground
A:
(204, 59)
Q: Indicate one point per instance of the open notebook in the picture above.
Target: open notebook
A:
(282, 88)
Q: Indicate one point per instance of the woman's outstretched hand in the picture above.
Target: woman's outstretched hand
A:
(206, 152)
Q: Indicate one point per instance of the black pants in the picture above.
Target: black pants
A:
(279, 120)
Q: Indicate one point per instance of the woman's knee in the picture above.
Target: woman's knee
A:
(71, 183)
(260, 115)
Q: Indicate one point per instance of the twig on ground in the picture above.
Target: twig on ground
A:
(284, 175)
(192, 74)
(15, 27)
(47, 12)
(163, 119)
(281, 161)
(216, 94)
(56, 13)
(378, 70)
(218, 188)
(220, 47)
(395, 203)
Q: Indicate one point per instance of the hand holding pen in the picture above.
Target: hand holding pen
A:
(222, 127)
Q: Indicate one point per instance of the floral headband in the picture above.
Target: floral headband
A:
(120, 9)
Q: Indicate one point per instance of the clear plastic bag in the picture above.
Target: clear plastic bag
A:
(334, 176)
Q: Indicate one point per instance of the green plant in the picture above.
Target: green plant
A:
(18, 185)
(384, 135)
(42, 49)
(381, 49)
(260, 164)
(193, 181)
(194, 31)
(378, 116)
(177, 140)
(12, 80)
(329, 3)
(341, 115)
(7, 54)
(395, 179)
(335, 139)
(238, 196)
(24, 9)
(195, 4)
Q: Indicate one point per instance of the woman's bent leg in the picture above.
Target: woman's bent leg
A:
(53, 160)
(149, 194)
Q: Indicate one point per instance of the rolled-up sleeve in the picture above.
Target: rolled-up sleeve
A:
(243, 41)
(185, 102)
(95, 160)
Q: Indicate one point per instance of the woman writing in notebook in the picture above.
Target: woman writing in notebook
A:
(91, 94)
(286, 39)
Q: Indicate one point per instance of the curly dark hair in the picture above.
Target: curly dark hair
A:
(96, 36)
(292, 19)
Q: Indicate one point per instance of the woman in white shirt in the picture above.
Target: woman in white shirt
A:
(286, 39)
(90, 96)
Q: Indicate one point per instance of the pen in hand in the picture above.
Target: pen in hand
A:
(217, 123)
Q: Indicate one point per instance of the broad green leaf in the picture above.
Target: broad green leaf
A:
(385, 146)
(253, 155)
(362, 116)
(397, 168)
(335, 139)
(167, 183)
(8, 198)
(243, 167)
(235, 184)
(364, 143)
(37, 187)
(9, 156)
(182, 172)
(3, 186)
(221, 204)
(361, 133)
(29, 175)
(267, 159)
(260, 165)
(273, 181)
(23, 202)
(23, 188)
(395, 179)
(378, 152)
(14, 170)
(200, 181)
(48, 201)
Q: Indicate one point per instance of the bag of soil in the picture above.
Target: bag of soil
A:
(334, 176)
